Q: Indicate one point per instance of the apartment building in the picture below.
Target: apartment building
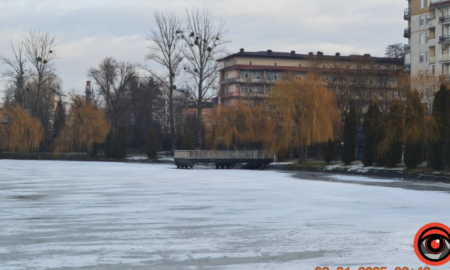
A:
(356, 78)
(428, 35)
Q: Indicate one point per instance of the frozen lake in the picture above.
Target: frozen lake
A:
(102, 216)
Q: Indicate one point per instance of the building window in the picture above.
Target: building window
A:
(421, 3)
(422, 56)
(421, 39)
(256, 74)
(226, 76)
(421, 21)
(427, 37)
(252, 89)
(273, 76)
(426, 57)
(432, 69)
(427, 18)
(428, 3)
(245, 74)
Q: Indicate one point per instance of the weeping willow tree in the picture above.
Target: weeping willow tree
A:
(390, 148)
(86, 125)
(240, 126)
(22, 132)
(304, 112)
(298, 113)
(414, 139)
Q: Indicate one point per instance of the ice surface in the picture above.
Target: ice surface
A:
(94, 215)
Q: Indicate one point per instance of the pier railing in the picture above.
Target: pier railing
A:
(198, 154)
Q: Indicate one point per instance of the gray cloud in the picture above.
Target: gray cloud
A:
(89, 30)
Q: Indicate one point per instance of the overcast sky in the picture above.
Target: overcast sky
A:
(90, 30)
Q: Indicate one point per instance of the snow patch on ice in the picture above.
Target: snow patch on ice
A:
(137, 157)
(166, 159)
(360, 179)
(360, 168)
(282, 163)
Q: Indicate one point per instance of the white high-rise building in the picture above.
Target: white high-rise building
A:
(428, 36)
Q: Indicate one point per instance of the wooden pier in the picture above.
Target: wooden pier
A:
(222, 159)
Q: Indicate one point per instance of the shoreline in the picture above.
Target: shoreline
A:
(369, 172)
(385, 173)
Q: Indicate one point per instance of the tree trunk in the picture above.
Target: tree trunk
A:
(171, 119)
(302, 155)
(199, 116)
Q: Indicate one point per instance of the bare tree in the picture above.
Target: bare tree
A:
(34, 83)
(16, 71)
(114, 79)
(204, 40)
(166, 50)
(352, 83)
(395, 51)
(39, 50)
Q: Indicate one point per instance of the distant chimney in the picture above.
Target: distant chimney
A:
(241, 50)
(367, 55)
(311, 53)
(293, 52)
(269, 51)
(88, 92)
(338, 54)
(319, 53)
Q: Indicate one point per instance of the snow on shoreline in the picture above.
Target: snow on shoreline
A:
(360, 168)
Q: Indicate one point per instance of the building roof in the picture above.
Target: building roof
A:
(293, 55)
(307, 69)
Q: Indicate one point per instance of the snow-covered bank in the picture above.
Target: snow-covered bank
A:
(359, 169)
(83, 215)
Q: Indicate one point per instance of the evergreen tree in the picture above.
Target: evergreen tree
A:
(114, 144)
(108, 144)
(435, 156)
(331, 151)
(380, 133)
(350, 138)
(394, 140)
(414, 130)
(369, 136)
(441, 115)
(94, 151)
(188, 142)
(446, 149)
(122, 142)
(60, 119)
(152, 145)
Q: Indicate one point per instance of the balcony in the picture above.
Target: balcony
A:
(407, 33)
(432, 60)
(444, 40)
(407, 14)
(247, 80)
(407, 67)
(445, 58)
(444, 20)
(407, 48)
(438, 2)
